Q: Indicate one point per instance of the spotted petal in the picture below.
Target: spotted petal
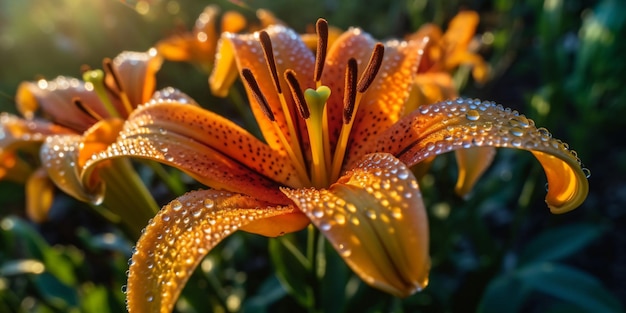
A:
(56, 99)
(383, 102)
(246, 52)
(207, 146)
(446, 126)
(137, 75)
(181, 234)
(375, 218)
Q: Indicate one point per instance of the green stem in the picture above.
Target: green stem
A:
(171, 180)
(127, 196)
(316, 257)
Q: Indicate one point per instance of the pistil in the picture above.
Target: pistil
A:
(96, 79)
(311, 105)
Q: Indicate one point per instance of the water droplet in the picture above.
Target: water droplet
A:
(340, 218)
(325, 226)
(124, 289)
(351, 207)
(208, 203)
(371, 214)
(516, 131)
(344, 251)
(396, 213)
(472, 115)
(176, 205)
(587, 172)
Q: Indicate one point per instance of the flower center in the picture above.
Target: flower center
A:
(326, 159)
(104, 84)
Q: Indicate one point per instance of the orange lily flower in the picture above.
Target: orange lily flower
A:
(336, 152)
(84, 116)
(199, 45)
(443, 53)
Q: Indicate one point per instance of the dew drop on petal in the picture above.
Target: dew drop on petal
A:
(176, 205)
(472, 115)
(208, 203)
(340, 218)
(516, 131)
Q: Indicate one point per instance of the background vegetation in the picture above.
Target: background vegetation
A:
(561, 62)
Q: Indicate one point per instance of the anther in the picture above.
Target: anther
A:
(297, 94)
(110, 72)
(112, 77)
(268, 51)
(85, 109)
(349, 95)
(258, 95)
(85, 68)
(373, 66)
(322, 46)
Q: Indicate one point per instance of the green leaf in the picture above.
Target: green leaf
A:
(55, 292)
(292, 269)
(561, 242)
(571, 285)
(269, 292)
(95, 300)
(503, 294)
(56, 262)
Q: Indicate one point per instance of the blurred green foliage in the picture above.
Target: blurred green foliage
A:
(500, 250)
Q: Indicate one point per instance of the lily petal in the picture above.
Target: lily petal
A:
(472, 163)
(17, 133)
(247, 52)
(196, 46)
(375, 218)
(137, 74)
(208, 146)
(39, 195)
(56, 100)
(179, 236)
(383, 102)
(212, 130)
(461, 124)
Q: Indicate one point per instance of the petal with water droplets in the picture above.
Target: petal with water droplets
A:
(209, 147)
(375, 218)
(180, 235)
(460, 124)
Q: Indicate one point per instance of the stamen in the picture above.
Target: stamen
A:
(258, 95)
(110, 71)
(349, 93)
(85, 109)
(253, 85)
(294, 136)
(266, 43)
(376, 60)
(322, 46)
(297, 94)
(352, 97)
(96, 79)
